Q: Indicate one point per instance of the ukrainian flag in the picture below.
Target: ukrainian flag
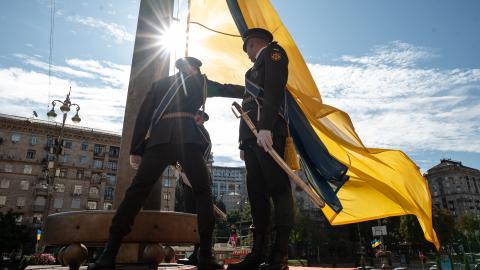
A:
(375, 243)
(358, 183)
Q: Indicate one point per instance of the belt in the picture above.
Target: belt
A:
(178, 115)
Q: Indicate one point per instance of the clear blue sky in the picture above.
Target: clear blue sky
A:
(407, 72)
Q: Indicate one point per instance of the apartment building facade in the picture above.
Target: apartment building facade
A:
(455, 187)
(85, 172)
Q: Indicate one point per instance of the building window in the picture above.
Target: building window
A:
(84, 146)
(62, 172)
(65, 158)
(5, 183)
(96, 179)
(98, 149)
(80, 174)
(91, 205)
(111, 179)
(112, 165)
(30, 154)
(16, 138)
(60, 187)
(8, 168)
(97, 164)
(167, 182)
(50, 141)
(24, 185)
(83, 160)
(166, 196)
(93, 191)
(3, 200)
(114, 151)
(58, 203)
(67, 144)
(33, 140)
(77, 190)
(39, 201)
(21, 201)
(27, 169)
(75, 203)
(108, 194)
(107, 206)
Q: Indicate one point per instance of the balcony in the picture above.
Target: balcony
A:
(41, 190)
(99, 154)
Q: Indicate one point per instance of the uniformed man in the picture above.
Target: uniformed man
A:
(165, 133)
(264, 100)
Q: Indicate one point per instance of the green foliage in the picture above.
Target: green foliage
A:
(444, 225)
(12, 236)
(410, 230)
(468, 224)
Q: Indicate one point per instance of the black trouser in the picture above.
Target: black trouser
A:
(188, 199)
(154, 162)
(265, 180)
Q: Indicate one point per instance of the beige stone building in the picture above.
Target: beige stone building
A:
(455, 187)
(85, 175)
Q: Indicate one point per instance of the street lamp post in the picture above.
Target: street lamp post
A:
(64, 108)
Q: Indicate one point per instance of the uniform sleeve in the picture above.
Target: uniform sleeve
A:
(142, 124)
(276, 77)
(215, 89)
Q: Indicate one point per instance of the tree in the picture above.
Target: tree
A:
(411, 231)
(444, 225)
(12, 235)
(469, 225)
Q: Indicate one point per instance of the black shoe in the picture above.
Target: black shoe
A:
(250, 262)
(102, 263)
(106, 261)
(276, 263)
(208, 262)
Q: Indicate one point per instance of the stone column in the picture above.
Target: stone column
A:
(149, 64)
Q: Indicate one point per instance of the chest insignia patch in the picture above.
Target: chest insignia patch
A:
(276, 56)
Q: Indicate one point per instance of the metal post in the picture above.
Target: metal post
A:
(362, 253)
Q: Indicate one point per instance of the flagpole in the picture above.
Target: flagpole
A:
(188, 28)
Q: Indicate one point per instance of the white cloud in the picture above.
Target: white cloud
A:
(109, 72)
(223, 129)
(116, 31)
(102, 107)
(394, 104)
(34, 61)
(396, 52)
